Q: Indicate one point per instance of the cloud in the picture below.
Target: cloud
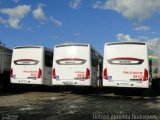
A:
(154, 46)
(56, 22)
(14, 23)
(132, 9)
(75, 4)
(125, 38)
(17, 12)
(15, 15)
(142, 28)
(39, 14)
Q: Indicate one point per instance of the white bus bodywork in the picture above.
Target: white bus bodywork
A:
(32, 65)
(75, 64)
(126, 64)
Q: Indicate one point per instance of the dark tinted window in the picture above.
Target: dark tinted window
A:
(94, 58)
(48, 59)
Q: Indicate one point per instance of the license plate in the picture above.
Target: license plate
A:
(69, 83)
(23, 81)
(124, 84)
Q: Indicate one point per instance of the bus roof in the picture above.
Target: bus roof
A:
(117, 43)
(76, 44)
(72, 44)
(31, 46)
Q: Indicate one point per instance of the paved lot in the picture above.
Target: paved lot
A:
(75, 105)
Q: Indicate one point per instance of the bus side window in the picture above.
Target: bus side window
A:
(48, 59)
(94, 59)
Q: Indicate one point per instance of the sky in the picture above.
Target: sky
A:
(52, 22)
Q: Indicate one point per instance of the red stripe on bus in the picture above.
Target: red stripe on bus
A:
(127, 58)
(24, 60)
(78, 59)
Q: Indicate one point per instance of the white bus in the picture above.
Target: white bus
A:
(32, 65)
(126, 64)
(5, 66)
(76, 64)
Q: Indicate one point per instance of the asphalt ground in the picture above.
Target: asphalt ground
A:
(77, 104)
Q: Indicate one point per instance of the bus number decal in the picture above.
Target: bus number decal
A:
(80, 75)
(32, 73)
(135, 74)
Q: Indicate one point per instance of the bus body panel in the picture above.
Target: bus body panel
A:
(72, 65)
(28, 66)
(126, 65)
